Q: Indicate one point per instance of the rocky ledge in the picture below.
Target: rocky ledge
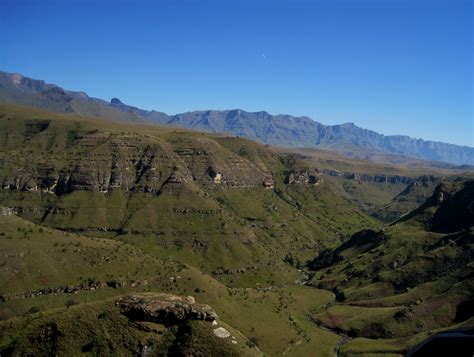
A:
(167, 309)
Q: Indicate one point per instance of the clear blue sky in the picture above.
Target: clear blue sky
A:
(397, 67)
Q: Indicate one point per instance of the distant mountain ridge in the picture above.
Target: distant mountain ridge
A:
(280, 130)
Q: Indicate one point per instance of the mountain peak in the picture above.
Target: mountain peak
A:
(116, 101)
(348, 125)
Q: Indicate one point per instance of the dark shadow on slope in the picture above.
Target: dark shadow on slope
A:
(458, 343)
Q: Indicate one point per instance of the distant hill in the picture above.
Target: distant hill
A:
(281, 130)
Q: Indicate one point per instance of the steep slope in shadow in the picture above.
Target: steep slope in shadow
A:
(408, 280)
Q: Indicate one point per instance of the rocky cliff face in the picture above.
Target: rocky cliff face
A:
(132, 162)
(315, 176)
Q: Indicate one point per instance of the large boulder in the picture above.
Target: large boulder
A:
(167, 309)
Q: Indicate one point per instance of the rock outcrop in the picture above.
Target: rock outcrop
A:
(167, 309)
(221, 332)
(302, 177)
(6, 211)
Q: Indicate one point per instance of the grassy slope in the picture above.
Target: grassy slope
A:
(105, 331)
(389, 292)
(259, 314)
(245, 224)
(247, 233)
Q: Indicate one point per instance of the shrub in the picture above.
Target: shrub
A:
(71, 302)
(34, 310)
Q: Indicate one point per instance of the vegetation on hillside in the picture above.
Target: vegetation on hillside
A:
(291, 248)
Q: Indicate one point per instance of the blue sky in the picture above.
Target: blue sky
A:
(394, 66)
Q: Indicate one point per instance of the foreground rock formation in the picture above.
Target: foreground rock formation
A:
(165, 308)
(145, 324)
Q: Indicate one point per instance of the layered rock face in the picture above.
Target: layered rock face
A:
(120, 163)
(394, 179)
(314, 176)
(167, 309)
(102, 162)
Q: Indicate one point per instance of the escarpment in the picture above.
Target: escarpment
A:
(78, 158)
(129, 162)
(314, 176)
(82, 177)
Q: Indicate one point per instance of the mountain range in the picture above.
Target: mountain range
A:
(279, 130)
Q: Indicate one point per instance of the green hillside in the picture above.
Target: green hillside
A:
(159, 190)
(404, 281)
(290, 248)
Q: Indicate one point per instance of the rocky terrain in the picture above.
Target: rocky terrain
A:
(283, 130)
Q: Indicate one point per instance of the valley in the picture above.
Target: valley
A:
(297, 251)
